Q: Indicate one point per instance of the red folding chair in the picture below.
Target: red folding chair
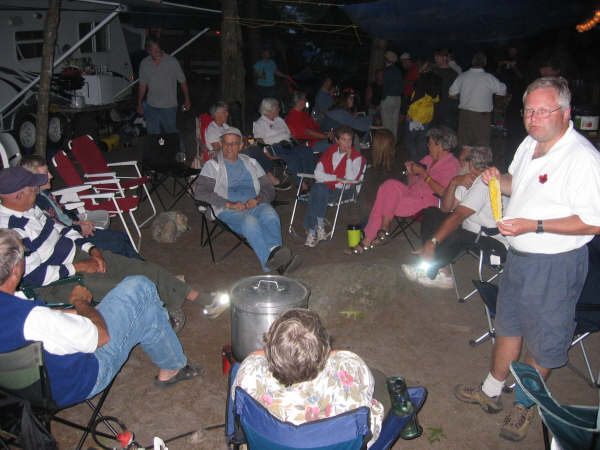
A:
(77, 191)
(89, 157)
(202, 123)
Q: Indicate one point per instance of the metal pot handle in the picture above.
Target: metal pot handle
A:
(268, 284)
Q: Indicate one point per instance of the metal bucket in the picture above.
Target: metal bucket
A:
(255, 304)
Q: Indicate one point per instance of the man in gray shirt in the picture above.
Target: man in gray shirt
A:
(159, 75)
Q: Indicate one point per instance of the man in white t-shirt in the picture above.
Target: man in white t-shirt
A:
(554, 211)
(84, 348)
(467, 196)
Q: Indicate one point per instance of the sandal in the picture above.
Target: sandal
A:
(358, 249)
(383, 237)
(186, 373)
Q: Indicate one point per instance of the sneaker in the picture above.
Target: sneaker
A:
(471, 394)
(292, 265)
(177, 320)
(441, 281)
(516, 423)
(283, 186)
(322, 235)
(311, 240)
(278, 257)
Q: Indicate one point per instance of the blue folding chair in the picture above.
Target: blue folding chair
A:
(247, 421)
(574, 427)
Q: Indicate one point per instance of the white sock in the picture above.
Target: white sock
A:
(320, 222)
(492, 387)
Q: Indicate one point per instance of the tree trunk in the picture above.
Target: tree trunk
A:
(50, 30)
(378, 47)
(254, 40)
(232, 63)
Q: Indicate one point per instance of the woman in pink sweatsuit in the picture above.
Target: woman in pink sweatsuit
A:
(394, 198)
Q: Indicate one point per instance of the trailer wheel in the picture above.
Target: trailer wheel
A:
(26, 132)
(56, 128)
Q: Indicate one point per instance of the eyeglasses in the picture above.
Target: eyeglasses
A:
(542, 113)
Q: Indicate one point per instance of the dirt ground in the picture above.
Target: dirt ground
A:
(403, 329)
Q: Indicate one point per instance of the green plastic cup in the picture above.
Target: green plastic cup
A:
(354, 233)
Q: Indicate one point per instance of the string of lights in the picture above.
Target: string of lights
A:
(589, 24)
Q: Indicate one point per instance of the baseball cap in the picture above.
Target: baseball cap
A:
(14, 179)
(405, 55)
(390, 56)
(231, 130)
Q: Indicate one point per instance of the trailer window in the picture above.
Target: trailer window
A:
(98, 42)
(29, 44)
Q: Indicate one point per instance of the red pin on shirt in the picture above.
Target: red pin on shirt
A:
(543, 178)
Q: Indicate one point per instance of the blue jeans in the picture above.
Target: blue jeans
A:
(134, 314)
(260, 226)
(320, 196)
(114, 241)
(299, 159)
(165, 117)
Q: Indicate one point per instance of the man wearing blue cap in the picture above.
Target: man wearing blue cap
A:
(56, 252)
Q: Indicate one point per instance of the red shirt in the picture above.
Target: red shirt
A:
(298, 122)
(411, 76)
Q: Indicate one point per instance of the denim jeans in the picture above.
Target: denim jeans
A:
(134, 314)
(114, 241)
(299, 159)
(165, 117)
(260, 226)
(320, 196)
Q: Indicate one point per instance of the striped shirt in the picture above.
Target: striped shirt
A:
(49, 246)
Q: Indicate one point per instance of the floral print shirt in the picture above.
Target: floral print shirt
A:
(346, 383)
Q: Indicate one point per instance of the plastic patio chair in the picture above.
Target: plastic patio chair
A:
(247, 421)
(573, 427)
(94, 201)
(24, 383)
(348, 196)
(89, 157)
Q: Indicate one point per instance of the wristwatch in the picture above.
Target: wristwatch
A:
(435, 241)
(540, 227)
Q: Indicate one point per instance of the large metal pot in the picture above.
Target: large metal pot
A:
(255, 303)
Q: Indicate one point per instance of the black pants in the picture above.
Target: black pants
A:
(456, 242)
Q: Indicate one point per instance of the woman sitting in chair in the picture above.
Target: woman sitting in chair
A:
(427, 180)
(340, 161)
(298, 378)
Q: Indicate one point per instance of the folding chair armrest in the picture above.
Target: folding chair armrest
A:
(102, 174)
(71, 189)
(344, 181)
(70, 194)
(75, 205)
(122, 163)
(100, 195)
(306, 175)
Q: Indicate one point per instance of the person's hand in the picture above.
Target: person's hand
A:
(465, 180)
(417, 169)
(87, 228)
(252, 203)
(490, 173)
(187, 105)
(140, 110)
(331, 134)
(515, 227)
(97, 256)
(238, 206)
(87, 266)
(80, 294)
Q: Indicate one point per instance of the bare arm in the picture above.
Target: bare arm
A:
(449, 200)
(81, 298)
(187, 104)
(564, 225)
(448, 226)
(141, 94)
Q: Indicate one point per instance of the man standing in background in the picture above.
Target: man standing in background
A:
(392, 93)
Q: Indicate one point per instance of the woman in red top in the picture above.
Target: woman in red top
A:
(340, 161)
(304, 128)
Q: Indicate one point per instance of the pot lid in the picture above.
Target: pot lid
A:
(268, 293)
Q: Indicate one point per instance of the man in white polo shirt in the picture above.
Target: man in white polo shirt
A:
(475, 89)
(554, 211)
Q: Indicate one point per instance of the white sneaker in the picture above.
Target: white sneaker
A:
(321, 234)
(311, 240)
(441, 281)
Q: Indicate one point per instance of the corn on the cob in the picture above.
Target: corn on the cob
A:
(495, 198)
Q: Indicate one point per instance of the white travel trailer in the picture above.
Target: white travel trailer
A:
(103, 61)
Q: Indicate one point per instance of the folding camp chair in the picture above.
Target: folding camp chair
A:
(92, 162)
(247, 421)
(587, 316)
(574, 427)
(161, 161)
(212, 227)
(348, 196)
(489, 252)
(404, 226)
(24, 382)
(105, 201)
